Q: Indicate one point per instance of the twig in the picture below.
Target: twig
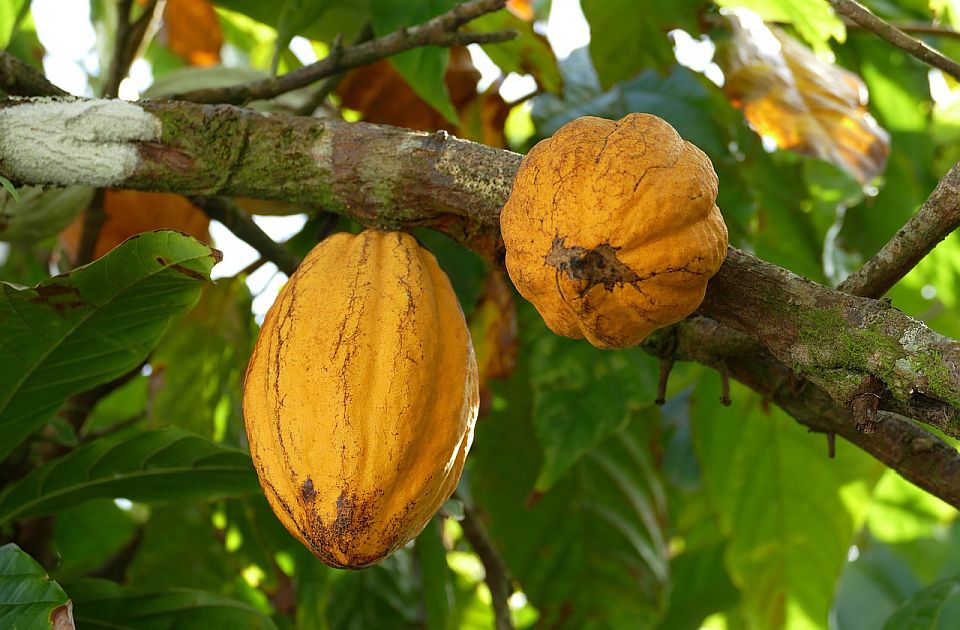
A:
(128, 41)
(439, 31)
(494, 568)
(243, 226)
(937, 217)
(917, 28)
(886, 31)
(20, 79)
(93, 219)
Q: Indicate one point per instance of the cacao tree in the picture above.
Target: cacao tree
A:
(784, 456)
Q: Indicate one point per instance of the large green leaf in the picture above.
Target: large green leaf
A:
(789, 511)
(432, 560)
(75, 331)
(936, 607)
(147, 466)
(29, 599)
(423, 67)
(590, 552)
(104, 604)
(628, 36)
(813, 19)
(11, 11)
(582, 395)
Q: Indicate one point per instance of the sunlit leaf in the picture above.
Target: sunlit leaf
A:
(790, 512)
(29, 599)
(814, 20)
(801, 102)
(10, 13)
(528, 53)
(76, 331)
(145, 466)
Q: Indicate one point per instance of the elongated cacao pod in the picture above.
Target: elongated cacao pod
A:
(361, 396)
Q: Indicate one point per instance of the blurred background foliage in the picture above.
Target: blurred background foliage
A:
(608, 511)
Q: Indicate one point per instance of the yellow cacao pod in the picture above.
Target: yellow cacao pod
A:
(361, 396)
(612, 229)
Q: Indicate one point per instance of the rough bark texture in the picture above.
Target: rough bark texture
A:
(814, 351)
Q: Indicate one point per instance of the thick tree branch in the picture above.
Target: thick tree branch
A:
(20, 79)
(934, 221)
(884, 30)
(442, 30)
(392, 177)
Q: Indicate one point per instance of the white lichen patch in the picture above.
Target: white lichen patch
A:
(66, 141)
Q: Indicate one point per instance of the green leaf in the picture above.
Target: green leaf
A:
(901, 512)
(11, 12)
(295, 16)
(29, 599)
(789, 511)
(936, 607)
(628, 37)
(591, 550)
(76, 331)
(104, 604)
(35, 214)
(87, 536)
(146, 466)
(582, 395)
(10, 188)
(199, 366)
(424, 67)
(529, 53)
(814, 20)
(432, 558)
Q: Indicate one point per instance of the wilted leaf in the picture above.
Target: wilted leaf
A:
(523, 9)
(29, 599)
(191, 30)
(493, 328)
(129, 212)
(40, 213)
(109, 606)
(803, 103)
(383, 96)
(76, 331)
(146, 466)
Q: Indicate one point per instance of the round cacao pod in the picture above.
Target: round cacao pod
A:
(612, 229)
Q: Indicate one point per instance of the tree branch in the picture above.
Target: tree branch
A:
(397, 178)
(243, 227)
(886, 31)
(934, 221)
(20, 79)
(442, 30)
(128, 41)
(495, 570)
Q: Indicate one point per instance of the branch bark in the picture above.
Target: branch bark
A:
(886, 31)
(20, 79)
(934, 221)
(391, 178)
